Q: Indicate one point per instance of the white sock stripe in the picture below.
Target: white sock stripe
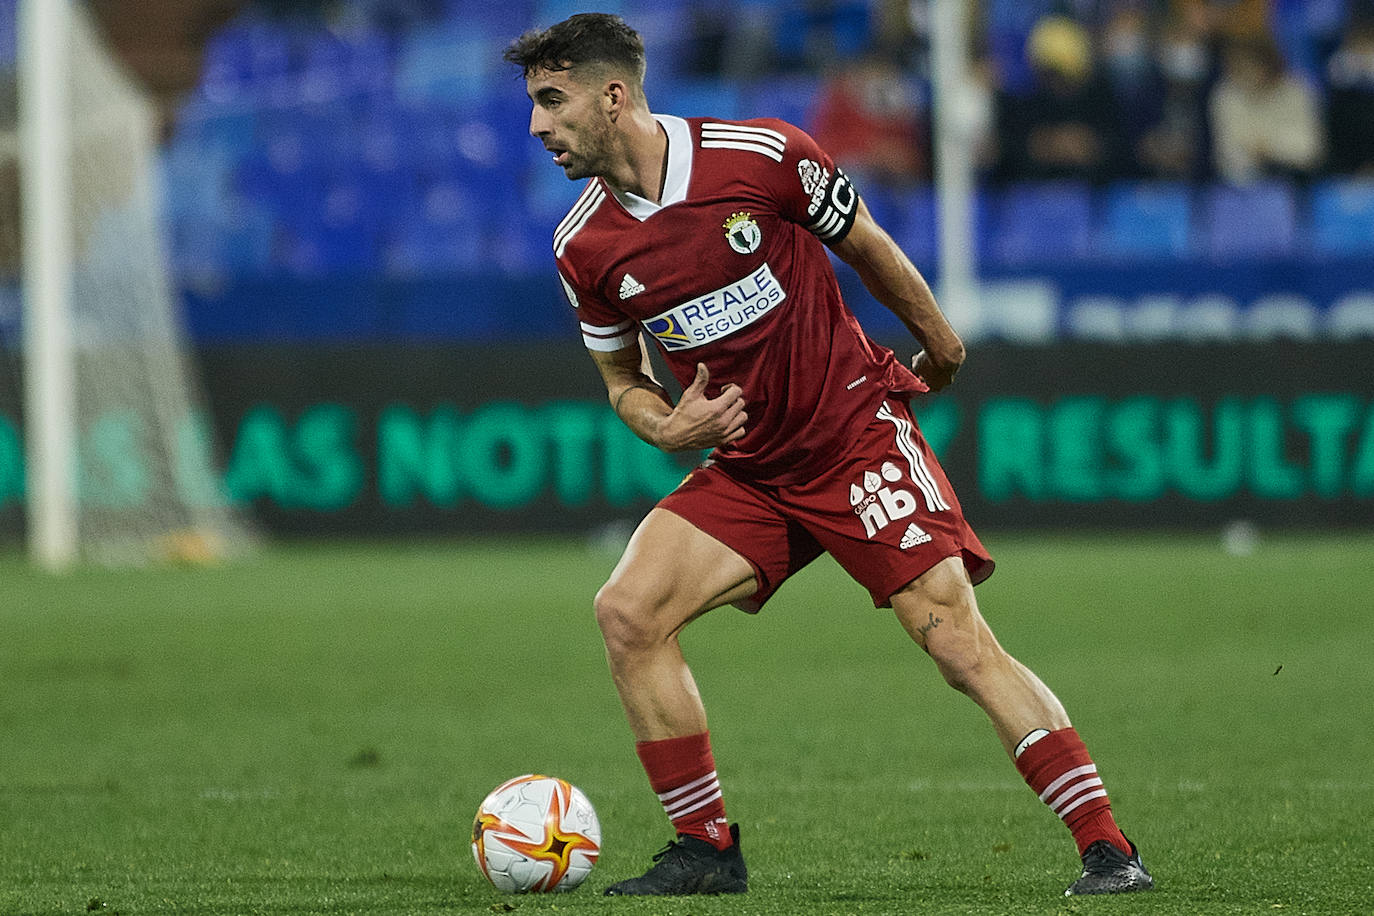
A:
(673, 816)
(712, 786)
(1065, 796)
(691, 802)
(677, 812)
(1066, 778)
(671, 794)
(1100, 793)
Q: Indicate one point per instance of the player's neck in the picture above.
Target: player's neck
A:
(643, 168)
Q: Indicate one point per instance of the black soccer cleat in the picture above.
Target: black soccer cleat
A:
(688, 865)
(1108, 870)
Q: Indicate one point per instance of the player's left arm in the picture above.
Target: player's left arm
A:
(894, 281)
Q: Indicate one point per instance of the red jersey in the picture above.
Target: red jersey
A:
(729, 270)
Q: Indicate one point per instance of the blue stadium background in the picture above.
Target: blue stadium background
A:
(363, 172)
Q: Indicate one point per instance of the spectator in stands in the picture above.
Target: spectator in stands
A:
(1175, 145)
(1066, 127)
(1350, 103)
(1225, 20)
(733, 40)
(869, 117)
(1265, 121)
(1132, 74)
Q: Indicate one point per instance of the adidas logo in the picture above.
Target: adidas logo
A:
(630, 287)
(914, 535)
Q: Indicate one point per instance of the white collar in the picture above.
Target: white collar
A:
(678, 175)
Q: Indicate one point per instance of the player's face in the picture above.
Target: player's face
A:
(569, 120)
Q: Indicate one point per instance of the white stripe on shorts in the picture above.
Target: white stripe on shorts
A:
(916, 463)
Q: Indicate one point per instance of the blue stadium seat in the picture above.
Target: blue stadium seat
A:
(1147, 219)
(9, 37)
(549, 195)
(1042, 222)
(791, 98)
(247, 59)
(1254, 221)
(547, 12)
(236, 241)
(910, 219)
(700, 98)
(502, 21)
(446, 232)
(334, 64)
(450, 64)
(1342, 217)
(285, 188)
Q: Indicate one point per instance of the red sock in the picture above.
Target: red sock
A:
(683, 773)
(1057, 767)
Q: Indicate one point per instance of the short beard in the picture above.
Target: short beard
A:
(593, 161)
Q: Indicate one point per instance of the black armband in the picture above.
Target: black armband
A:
(839, 205)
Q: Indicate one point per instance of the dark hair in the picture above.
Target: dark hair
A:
(586, 38)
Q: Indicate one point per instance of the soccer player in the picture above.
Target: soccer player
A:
(710, 237)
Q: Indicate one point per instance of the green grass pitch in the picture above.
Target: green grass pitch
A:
(311, 731)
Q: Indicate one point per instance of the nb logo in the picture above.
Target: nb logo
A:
(877, 503)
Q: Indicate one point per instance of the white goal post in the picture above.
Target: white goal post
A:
(49, 379)
(118, 463)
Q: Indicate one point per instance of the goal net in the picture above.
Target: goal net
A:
(144, 485)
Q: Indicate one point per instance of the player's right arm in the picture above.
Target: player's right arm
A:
(695, 422)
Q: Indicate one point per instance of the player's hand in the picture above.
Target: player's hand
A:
(937, 366)
(699, 422)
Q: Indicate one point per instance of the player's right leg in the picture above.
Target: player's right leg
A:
(672, 573)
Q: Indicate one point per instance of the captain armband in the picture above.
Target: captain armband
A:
(835, 209)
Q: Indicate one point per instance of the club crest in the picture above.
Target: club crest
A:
(743, 233)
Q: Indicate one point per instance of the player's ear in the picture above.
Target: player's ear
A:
(614, 98)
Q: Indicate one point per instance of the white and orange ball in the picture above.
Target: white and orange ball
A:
(536, 834)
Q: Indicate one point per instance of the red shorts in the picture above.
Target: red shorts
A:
(884, 510)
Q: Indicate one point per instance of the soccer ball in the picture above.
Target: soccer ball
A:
(536, 833)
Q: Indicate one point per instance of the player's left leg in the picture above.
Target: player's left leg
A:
(940, 612)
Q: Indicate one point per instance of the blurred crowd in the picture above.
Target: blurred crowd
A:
(1092, 90)
(389, 137)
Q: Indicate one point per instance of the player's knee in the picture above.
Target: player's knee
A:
(625, 620)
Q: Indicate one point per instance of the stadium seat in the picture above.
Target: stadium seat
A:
(333, 65)
(700, 98)
(451, 65)
(237, 241)
(1042, 223)
(1254, 221)
(445, 233)
(9, 37)
(910, 218)
(1147, 220)
(282, 187)
(1342, 217)
(791, 98)
(547, 12)
(502, 21)
(250, 58)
